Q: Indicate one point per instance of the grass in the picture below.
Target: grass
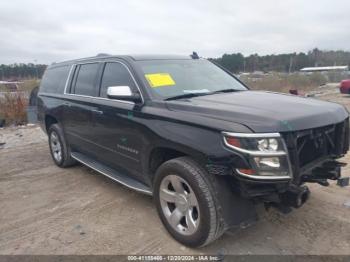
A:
(26, 85)
(29, 85)
(13, 104)
(284, 82)
(13, 108)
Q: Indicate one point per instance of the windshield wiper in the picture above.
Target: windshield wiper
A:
(189, 95)
(229, 90)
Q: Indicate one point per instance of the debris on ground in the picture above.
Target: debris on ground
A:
(347, 203)
(2, 144)
(21, 135)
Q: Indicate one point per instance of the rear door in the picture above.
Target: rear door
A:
(117, 124)
(78, 108)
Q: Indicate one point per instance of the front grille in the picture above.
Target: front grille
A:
(315, 143)
(308, 146)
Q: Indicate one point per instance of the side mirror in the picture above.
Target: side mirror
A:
(122, 93)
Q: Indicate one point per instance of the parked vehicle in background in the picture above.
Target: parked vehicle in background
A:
(191, 134)
(345, 86)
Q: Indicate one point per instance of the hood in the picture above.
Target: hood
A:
(263, 111)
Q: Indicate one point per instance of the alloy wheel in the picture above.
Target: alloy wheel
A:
(56, 147)
(179, 204)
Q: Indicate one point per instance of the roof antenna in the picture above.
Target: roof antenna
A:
(194, 55)
(102, 54)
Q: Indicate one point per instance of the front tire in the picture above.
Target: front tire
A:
(186, 202)
(59, 149)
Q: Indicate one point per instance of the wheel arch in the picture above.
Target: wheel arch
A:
(160, 154)
(49, 120)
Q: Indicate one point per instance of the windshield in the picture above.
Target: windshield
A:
(173, 78)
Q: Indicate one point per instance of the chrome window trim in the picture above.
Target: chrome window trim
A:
(90, 97)
(103, 98)
(68, 78)
(50, 94)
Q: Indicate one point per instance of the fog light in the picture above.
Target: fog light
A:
(273, 162)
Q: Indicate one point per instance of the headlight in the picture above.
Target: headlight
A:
(270, 144)
(267, 154)
(256, 144)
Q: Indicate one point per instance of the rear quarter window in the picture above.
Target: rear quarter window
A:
(54, 80)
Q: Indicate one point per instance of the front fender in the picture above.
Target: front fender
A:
(203, 143)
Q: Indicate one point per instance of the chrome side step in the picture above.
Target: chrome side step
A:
(111, 173)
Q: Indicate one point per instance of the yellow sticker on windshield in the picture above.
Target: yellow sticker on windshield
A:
(161, 79)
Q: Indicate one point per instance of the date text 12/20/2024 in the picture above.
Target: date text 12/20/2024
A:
(175, 258)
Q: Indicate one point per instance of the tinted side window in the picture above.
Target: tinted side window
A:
(54, 80)
(115, 74)
(86, 79)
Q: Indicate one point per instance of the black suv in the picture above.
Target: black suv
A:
(191, 134)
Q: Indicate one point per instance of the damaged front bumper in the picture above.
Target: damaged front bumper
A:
(312, 156)
(285, 195)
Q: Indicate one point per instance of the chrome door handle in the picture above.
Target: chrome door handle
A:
(97, 111)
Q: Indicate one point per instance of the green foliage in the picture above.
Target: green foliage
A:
(21, 71)
(283, 62)
(232, 62)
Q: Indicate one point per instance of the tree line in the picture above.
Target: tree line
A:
(235, 62)
(291, 62)
(21, 71)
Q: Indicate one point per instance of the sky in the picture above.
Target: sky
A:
(46, 31)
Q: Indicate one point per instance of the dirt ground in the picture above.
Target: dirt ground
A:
(48, 210)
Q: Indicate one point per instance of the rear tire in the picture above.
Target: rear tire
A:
(59, 149)
(186, 202)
